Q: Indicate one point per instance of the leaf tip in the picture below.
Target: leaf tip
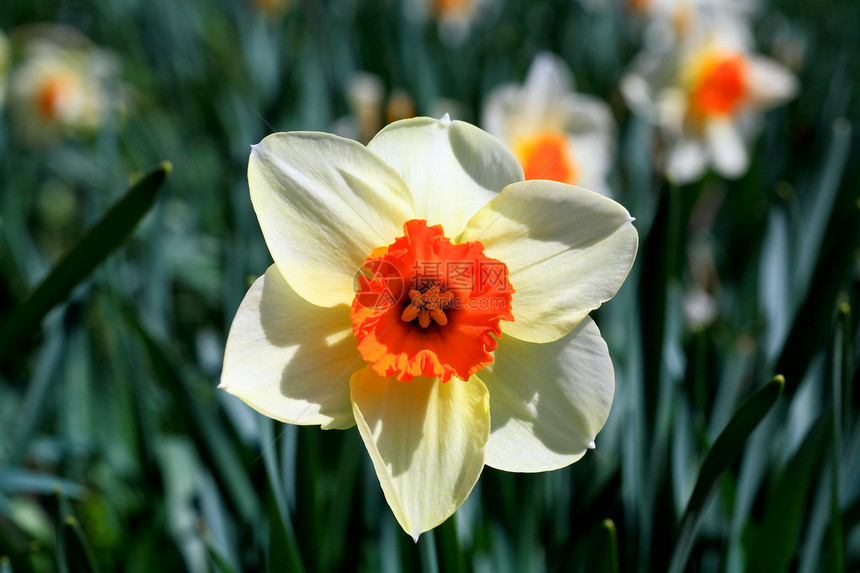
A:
(780, 380)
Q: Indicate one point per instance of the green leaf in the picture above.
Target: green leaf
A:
(216, 449)
(18, 481)
(78, 553)
(775, 544)
(283, 547)
(100, 241)
(611, 539)
(723, 453)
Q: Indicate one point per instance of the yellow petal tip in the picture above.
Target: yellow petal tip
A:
(591, 445)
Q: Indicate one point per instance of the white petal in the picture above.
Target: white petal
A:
(686, 160)
(548, 80)
(501, 111)
(727, 149)
(289, 359)
(452, 168)
(547, 401)
(567, 250)
(426, 440)
(770, 84)
(324, 203)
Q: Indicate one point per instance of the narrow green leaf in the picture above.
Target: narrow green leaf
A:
(775, 544)
(842, 381)
(722, 454)
(611, 536)
(215, 447)
(79, 554)
(18, 481)
(341, 506)
(847, 368)
(427, 549)
(37, 398)
(836, 262)
(450, 553)
(220, 562)
(283, 547)
(100, 241)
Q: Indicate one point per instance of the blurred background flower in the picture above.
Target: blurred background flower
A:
(554, 132)
(706, 93)
(61, 85)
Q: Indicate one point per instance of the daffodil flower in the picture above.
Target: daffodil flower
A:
(706, 95)
(422, 291)
(553, 131)
(674, 19)
(61, 86)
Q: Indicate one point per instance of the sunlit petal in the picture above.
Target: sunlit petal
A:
(547, 401)
(289, 359)
(426, 440)
(452, 168)
(324, 203)
(567, 250)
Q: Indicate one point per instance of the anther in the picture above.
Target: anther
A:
(427, 305)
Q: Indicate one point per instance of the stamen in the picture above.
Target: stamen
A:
(427, 305)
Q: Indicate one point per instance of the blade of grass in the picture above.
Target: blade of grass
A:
(283, 551)
(100, 241)
(19, 481)
(36, 401)
(427, 549)
(79, 554)
(215, 447)
(722, 454)
(775, 544)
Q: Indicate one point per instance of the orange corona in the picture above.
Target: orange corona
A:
(720, 85)
(547, 156)
(458, 294)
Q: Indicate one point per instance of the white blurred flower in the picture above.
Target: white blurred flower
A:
(669, 20)
(366, 98)
(554, 132)
(60, 87)
(706, 94)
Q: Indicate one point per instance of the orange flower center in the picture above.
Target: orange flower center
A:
(720, 84)
(547, 156)
(425, 306)
(53, 91)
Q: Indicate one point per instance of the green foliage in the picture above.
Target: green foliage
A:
(118, 452)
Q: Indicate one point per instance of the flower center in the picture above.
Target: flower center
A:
(547, 156)
(718, 84)
(425, 306)
(52, 94)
